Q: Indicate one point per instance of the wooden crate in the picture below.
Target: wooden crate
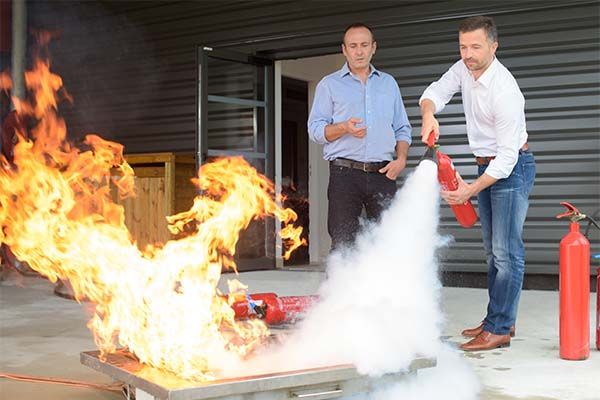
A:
(163, 188)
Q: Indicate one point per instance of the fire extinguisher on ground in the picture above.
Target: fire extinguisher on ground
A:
(465, 213)
(574, 287)
(273, 309)
(596, 258)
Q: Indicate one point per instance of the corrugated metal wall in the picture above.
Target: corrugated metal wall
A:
(553, 54)
(131, 69)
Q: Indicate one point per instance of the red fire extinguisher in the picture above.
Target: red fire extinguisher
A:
(465, 213)
(574, 286)
(598, 307)
(274, 310)
(595, 257)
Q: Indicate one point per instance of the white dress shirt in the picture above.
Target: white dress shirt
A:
(494, 110)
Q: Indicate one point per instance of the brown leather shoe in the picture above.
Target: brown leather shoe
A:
(473, 332)
(486, 341)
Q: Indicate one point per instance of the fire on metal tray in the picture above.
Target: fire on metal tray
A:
(322, 383)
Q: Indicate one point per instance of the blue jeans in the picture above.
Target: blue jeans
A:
(502, 211)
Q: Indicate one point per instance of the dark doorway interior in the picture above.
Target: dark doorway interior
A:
(294, 157)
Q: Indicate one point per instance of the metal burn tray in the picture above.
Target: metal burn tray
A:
(310, 384)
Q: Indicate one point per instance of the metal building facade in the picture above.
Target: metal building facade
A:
(131, 68)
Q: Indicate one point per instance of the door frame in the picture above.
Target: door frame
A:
(272, 253)
(311, 70)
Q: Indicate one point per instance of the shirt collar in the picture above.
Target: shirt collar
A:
(346, 71)
(488, 74)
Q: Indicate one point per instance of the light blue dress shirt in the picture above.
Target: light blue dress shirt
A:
(341, 96)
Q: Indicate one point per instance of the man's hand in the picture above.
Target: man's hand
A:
(393, 168)
(430, 124)
(337, 130)
(352, 129)
(460, 195)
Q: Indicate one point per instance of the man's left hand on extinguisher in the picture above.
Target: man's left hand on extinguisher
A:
(460, 195)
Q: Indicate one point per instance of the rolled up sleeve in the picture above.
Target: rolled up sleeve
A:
(509, 112)
(441, 91)
(400, 123)
(321, 114)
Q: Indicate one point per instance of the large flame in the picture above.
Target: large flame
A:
(161, 303)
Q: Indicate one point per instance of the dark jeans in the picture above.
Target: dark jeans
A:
(349, 191)
(502, 211)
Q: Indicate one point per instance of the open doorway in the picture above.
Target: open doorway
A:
(294, 157)
(302, 161)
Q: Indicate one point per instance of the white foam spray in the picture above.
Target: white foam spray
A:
(379, 307)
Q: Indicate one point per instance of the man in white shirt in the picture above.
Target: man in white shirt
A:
(495, 115)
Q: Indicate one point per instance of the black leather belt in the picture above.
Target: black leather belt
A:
(363, 166)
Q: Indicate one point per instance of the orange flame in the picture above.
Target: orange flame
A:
(162, 304)
(5, 81)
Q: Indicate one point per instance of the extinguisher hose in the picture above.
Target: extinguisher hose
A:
(591, 222)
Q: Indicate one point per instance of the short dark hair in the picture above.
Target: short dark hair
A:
(357, 25)
(480, 22)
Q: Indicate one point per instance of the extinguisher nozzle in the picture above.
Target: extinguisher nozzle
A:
(430, 154)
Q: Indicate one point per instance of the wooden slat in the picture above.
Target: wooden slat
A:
(163, 187)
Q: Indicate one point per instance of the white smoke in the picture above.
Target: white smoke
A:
(452, 379)
(379, 307)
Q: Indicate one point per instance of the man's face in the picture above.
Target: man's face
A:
(476, 50)
(358, 48)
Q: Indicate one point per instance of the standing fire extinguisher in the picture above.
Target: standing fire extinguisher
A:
(597, 305)
(574, 287)
(596, 257)
(465, 213)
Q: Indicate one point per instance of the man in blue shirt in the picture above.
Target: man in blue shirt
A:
(359, 117)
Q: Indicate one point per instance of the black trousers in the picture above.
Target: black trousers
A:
(350, 190)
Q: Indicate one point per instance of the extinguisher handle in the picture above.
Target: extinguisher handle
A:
(431, 139)
(572, 212)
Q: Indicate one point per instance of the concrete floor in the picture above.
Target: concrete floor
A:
(42, 334)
